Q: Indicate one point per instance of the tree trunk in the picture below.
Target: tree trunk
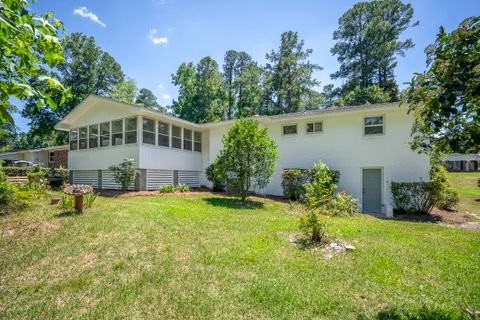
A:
(79, 203)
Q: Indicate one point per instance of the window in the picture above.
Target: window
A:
(197, 137)
(187, 139)
(373, 125)
(148, 131)
(163, 136)
(105, 134)
(117, 132)
(176, 137)
(74, 139)
(93, 136)
(83, 134)
(51, 156)
(131, 130)
(289, 129)
(315, 127)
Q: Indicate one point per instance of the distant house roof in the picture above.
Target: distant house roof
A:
(462, 157)
(54, 148)
(92, 99)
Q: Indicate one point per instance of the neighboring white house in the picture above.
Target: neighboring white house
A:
(367, 144)
(48, 157)
(462, 162)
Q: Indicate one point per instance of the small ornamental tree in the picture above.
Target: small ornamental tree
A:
(248, 158)
(322, 185)
(124, 173)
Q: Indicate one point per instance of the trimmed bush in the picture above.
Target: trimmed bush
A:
(293, 183)
(414, 197)
(22, 171)
(214, 175)
(445, 197)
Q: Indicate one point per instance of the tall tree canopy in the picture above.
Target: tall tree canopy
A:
(242, 89)
(446, 97)
(125, 91)
(86, 69)
(27, 42)
(289, 76)
(147, 99)
(367, 44)
(200, 95)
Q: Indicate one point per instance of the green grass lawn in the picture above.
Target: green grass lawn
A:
(207, 256)
(465, 183)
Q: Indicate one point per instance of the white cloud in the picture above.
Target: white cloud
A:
(152, 35)
(160, 86)
(83, 12)
(166, 97)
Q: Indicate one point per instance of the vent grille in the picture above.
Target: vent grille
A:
(89, 177)
(158, 177)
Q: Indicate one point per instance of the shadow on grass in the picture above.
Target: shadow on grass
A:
(421, 314)
(68, 213)
(233, 203)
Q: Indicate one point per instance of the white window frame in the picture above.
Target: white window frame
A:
(152, 132)
(125, 130)
(163, 134)
(195, 141)
(81, 139)
(189, 140)
(98, 136)
(75, 130)
(120, 132)
(109, 135)
(176, 137)
(373, 125)
(314, 132)
(289, 125)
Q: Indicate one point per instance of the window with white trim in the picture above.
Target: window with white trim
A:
(176, 137)
(315, 127)
(51, 156)
(197, 141)
(83, 138)
(373, 125)
(163, 134)
(187, 139)
(74, 139)
(117, 132)
(131, 130)
(148, 131)
(93, 136)
(289, 129)
(105, 134)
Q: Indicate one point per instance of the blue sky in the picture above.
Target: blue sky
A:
(150, 38)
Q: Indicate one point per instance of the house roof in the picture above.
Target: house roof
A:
(91, 100)
(54, 148)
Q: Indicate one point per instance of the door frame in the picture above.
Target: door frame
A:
(382, 186)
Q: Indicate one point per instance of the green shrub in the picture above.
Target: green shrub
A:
(166, 188)
(343, 205)
(170, 188)
(293, 183)
(414, 197)
(182, 188)
(313, 226)
(124, 173)
(445, 197)
(214, 175)
(67, 201)
(22, 171)
(7, 193)
(89, 199)
(322, 185)
(2, 176)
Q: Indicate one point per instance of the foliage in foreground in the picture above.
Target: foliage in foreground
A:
(124, 173)
(28, 42)
(446, 98)
(248, 158)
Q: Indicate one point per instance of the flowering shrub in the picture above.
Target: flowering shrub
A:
(321, 187)
(343, 205)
